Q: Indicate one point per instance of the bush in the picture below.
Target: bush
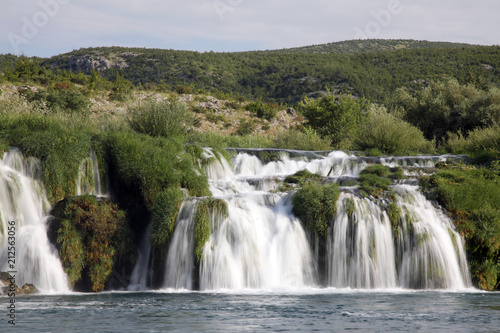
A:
(337, 118)
(448, 107)
(473, 198)
(66, 100)
(90, 235)
(315, 204)
(265, 111)
(388, 134)
(307, 139)
(480, 143)
(245, 127)
(166, 118)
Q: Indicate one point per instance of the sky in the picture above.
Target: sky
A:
(49, 27)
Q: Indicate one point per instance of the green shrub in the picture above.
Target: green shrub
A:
(60, 149)
(121, 90)
(90, 234)
(307, 139)
(481, 143)
(262, 110)
(302, 176)
(69, 100)
(183, 90)
(449, 106)
(373, 184)
(315, 204)
(166, 118)
(245, 127)
(390, 135)
(337, 118)
(473, 198)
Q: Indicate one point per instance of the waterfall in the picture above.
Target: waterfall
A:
(89, 180)
(260, 244)
(360, 247)
(23, 201)
(142, 274)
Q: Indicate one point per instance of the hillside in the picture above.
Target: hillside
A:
(369, 68)
(373, 45)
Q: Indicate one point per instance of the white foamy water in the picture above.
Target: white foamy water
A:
(23, 201)
(261, 245)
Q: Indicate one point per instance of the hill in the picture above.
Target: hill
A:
(373, 45)
(369, 68)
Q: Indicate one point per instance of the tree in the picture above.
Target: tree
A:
(336, 117)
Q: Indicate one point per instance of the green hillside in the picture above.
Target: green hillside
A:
(287, 76)
(373, 45)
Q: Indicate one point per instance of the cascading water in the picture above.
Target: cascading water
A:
(23, 200)
(261, 244)
(89, 180)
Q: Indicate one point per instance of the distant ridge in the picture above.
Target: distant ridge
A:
(372, 45)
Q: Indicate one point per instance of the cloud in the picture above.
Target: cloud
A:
(233, 25)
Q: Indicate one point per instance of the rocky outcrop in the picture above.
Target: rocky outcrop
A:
(89, 63)
(8, 285)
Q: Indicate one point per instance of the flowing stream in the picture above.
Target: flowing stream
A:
(260, 244)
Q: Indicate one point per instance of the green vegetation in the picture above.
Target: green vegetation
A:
(390, 135)
(167, 118)
(472, 196)
(302, 176)
(315, 204)
(208, 210)
(336, 118)
(90, 234)
(449, 106)
(376, 179)
(372, 69)
(430, 97)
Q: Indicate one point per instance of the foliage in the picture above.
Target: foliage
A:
(473, 198)
(163, 216)
(60, 148)
(481, 143)
(302, 176)
(121, 90)
(71, 250)
(337, 118)
(374, 179)
(67, 100)
(90, 233)
(246, 127)
(373, 69)
(263, 110)
(449, 107)
(166, 118)
(315, 204)
(306, 139)
(208, 210)
(390, 135)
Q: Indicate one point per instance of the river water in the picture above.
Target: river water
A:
(306, 310)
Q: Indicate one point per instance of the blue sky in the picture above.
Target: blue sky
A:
(49, 27)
